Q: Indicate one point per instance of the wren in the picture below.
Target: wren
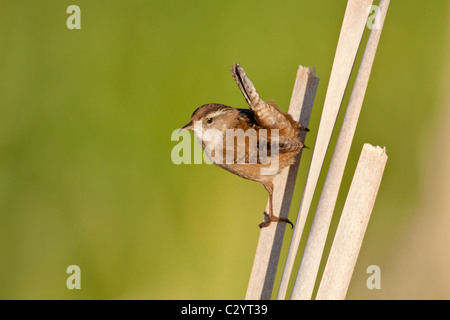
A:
(276, 136)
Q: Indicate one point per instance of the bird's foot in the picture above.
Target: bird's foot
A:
(273, 218)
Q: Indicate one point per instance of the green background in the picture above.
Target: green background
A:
(86, 118)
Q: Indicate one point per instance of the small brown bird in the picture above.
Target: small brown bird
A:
(272, 134)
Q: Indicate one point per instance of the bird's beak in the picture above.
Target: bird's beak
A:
(186, 127)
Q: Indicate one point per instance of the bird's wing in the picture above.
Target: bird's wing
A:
(287, 144)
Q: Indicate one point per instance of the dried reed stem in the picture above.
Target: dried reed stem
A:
(353, 223)
(269, 245)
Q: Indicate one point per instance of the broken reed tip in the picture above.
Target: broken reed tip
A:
(375, 148)
(311, 72)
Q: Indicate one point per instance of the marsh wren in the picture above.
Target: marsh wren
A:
(273, 137)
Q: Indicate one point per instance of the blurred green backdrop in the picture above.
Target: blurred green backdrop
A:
(86, 117)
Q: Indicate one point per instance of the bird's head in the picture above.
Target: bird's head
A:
(211, 116)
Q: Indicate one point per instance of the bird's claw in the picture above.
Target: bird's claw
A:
(272, 218)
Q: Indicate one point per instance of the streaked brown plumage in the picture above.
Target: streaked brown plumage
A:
(261, 115)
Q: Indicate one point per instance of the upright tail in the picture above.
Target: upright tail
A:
(266, 114)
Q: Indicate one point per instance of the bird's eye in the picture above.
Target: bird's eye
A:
(210, 120)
